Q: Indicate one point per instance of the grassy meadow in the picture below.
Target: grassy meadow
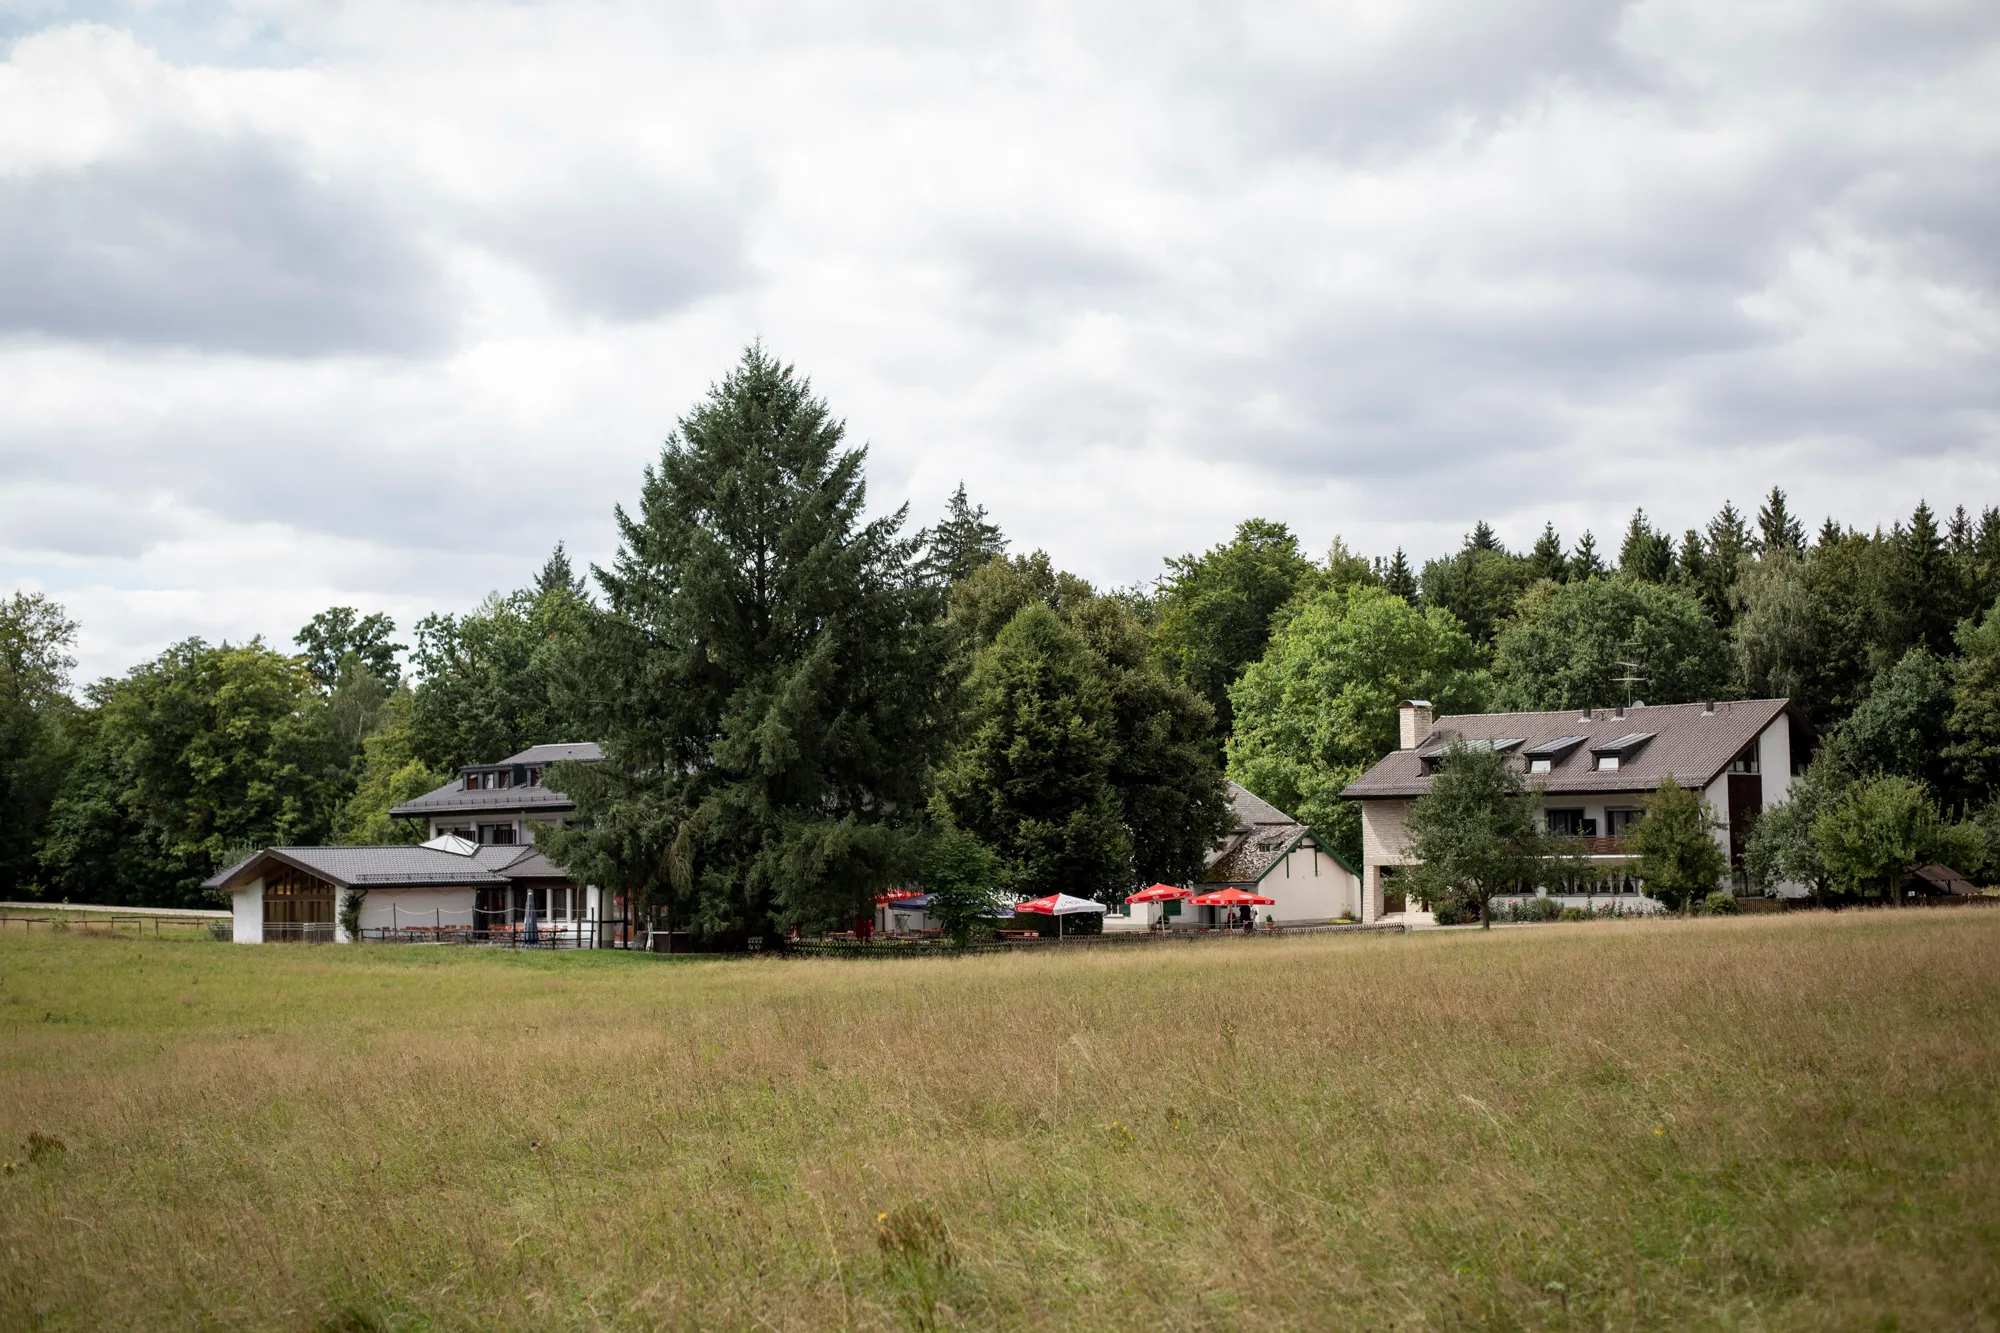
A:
(1782, 1122)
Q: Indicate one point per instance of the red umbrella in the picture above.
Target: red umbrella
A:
(1233, 898)
(1160, 893)
(896, 896)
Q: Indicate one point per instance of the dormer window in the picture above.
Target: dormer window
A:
(534, 777)
(1543, 756)
(1539, 765)
(1611, 755)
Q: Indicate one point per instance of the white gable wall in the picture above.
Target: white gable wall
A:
(247, 905)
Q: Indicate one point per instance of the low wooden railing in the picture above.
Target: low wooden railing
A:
(1619, 846)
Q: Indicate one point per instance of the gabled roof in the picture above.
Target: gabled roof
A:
(1262, 837)
(394, 867)
(1691, 741)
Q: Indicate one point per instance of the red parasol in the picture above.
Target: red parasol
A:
(1233, 898)
(1160, 893)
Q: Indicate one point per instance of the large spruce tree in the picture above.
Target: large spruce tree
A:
(766, 677)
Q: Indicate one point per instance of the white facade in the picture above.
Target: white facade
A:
(247, 906)
(1310, 885)
(1384, 841)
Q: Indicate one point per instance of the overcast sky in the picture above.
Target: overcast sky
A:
(373, 303)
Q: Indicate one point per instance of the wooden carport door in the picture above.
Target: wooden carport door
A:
(1746, 802)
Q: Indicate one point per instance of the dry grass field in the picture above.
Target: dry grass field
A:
(1782, 1122)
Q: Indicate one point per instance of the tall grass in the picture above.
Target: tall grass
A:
(1770, 1122)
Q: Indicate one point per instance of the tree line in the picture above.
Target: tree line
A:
(800, 705)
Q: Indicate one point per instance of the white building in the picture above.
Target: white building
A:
(1595, 769)
(446, 889)
(1270, 853)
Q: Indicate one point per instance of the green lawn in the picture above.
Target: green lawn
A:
(1787, 1122)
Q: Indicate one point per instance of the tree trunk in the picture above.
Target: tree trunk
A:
(1485, 922)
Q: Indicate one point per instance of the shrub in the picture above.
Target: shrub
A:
(1455, 913)
(1574, 914)
(1718, 904)
(1532, 909)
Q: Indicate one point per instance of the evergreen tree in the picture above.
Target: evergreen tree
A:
(1830, 532)
(1586, 563)
(1399, 579)
(1647, 555)
(1546, 560)
(1164, 769)
(1921, 600)
(1033, 780)
(767, 677)
(1479, 585)
(1216, 609)
(1729, 549)
(1777, 530)
(962, 542)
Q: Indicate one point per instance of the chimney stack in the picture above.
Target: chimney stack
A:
(1708, 708)
(1618, 714)
(1417, 720)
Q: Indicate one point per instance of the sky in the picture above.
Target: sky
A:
(373, 304)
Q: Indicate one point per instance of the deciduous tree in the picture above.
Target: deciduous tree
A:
(1567, 647)
(1477, 832)
(1678, 856)
(1320, 707)
(1216, 608)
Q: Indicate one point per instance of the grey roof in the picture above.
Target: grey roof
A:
(453, 799)
(1262, 836)
(582, 752)
(1251, 810)
(364, 867)
(1693, 744)
(395, 866)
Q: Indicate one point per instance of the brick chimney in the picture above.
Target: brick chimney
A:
(1417, 721)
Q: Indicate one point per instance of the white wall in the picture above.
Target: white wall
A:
(385, 909)
(1310, 886)
(247, 903)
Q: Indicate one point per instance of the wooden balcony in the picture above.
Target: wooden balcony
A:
(1620, 846)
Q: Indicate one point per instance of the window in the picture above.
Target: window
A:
(1538, 765)
(1622, 823)
(1570, 824)
(534, 777)
(498, 835)
(1607, 763)
(1745, 762)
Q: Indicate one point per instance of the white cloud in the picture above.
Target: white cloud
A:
(375, 302)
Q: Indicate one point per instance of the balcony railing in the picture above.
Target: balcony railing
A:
(298, 932)
(1619, 846)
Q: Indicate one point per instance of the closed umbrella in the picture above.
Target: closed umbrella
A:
(529, 932)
